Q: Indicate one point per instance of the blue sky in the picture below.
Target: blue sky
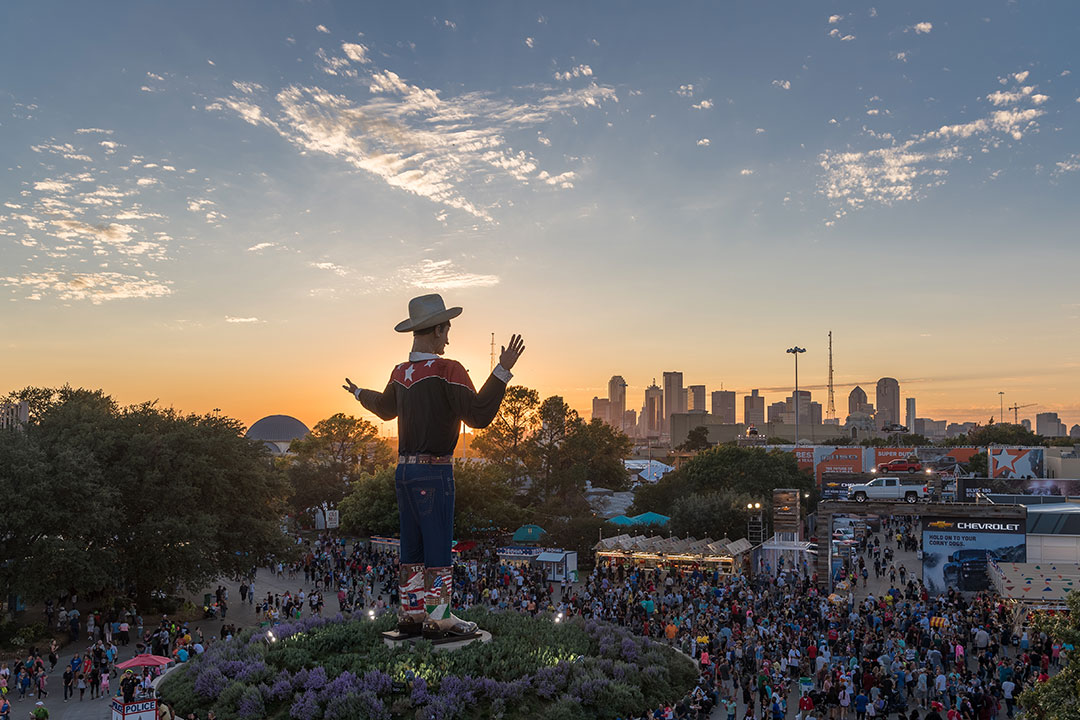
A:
(204, 200)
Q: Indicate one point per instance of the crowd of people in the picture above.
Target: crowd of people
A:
(769, 645)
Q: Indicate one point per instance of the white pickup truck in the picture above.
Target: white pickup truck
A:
(890, 488)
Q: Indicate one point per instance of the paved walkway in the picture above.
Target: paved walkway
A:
(241, 615)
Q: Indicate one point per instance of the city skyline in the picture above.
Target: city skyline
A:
(230, 206)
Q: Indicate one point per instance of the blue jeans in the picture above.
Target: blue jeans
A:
(425, 496)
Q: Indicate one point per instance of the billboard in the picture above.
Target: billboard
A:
(1016, 462)
(885, 454)
(1045, 487)
(839, 461)
(955, 550)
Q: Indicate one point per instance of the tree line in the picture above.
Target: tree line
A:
(130, 502)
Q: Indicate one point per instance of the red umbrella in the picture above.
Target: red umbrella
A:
(144, 660)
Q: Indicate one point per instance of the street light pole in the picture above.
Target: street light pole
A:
(1001, 402)
(796, 351)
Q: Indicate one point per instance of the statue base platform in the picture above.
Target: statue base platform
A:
(393, 638)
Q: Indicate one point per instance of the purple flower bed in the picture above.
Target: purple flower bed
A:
(332, 668)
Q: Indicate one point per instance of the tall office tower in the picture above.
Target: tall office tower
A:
(1026, 424)
(600, 409)
(1048, 425)
(856, 401)
(779, 413)
(723, 406)
(815, 412)
(674, 397)
(753, 409)
(695, 399)
(616, 392)
(629, 422)
(653, 418)
(909, 414)
(888, 401)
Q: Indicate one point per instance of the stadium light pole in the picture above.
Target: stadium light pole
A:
(796, 351)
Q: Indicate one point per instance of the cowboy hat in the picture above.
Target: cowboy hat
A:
(426, 311)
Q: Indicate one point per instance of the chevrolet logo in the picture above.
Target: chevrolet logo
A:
(832, 484)
(940, 524)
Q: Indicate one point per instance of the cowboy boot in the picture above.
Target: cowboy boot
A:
(440, 623)
(411, 613)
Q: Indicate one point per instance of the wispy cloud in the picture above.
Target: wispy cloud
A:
(703, 105)
(685, 90)
(97, 287)
(746, 171)
(242, 320)
(575, 72)
(922, 28)
(322, 29)
(258, 247)
(782, 84)
(704, 142)
(530, 43)
(443, 275)
(412, 137)
(1069, 164)
(904, 171)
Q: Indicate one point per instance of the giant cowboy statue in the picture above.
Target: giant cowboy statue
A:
(431, 396)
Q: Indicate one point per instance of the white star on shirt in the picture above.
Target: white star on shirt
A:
(429, 363)
(408, 373)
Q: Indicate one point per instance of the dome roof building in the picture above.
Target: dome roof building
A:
(276, 432)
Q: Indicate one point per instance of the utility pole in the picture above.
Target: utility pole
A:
(831, 412)
(1001, 402)
(796, 350)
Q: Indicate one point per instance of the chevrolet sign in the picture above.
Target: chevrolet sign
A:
(940, 524)
(1000, 527)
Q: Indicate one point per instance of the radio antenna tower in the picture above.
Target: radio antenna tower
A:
(492, 353)
(831, 412)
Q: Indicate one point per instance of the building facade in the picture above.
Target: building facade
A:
(674, 396)
(753, 409)
(888, 401)
(600, 409)
(723, 406)
(695, 399)
(616, 392)
(1049, 425)
(909, 414)
(653, 417)
(14, 414)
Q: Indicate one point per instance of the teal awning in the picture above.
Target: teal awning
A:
(529, 533)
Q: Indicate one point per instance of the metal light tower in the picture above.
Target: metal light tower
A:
(1001, 402)
(796, 351)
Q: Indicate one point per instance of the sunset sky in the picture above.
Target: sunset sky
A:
(230, 205)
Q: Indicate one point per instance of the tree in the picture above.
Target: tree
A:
(714, 514)
(1059, 697)
(484, 500)
(338, 450)
(751, 470)
(601, 449)
(1001, 434)
(371, 506)
(135, 499)
(507, 441)
(696, 439)
(978, 464)
(553, 476)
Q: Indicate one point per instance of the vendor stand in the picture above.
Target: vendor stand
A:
(142, 707)
(656, 552)
(558, 565)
